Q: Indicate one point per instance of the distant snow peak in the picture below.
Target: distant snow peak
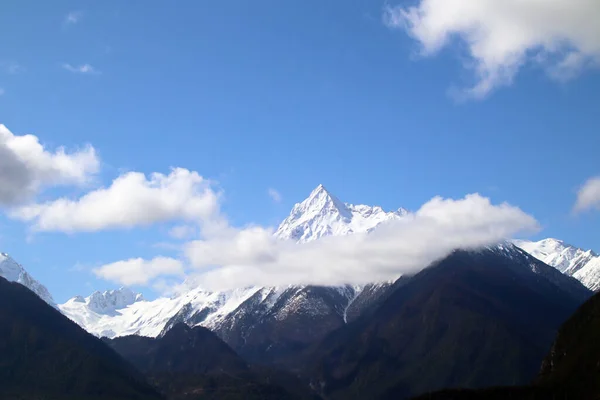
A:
(584, 265)
(112, 300)
(109, 301)
(14, 272)
(323, 214)
(319, 202)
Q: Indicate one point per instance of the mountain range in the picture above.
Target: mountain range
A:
(122, 312)
(476, 318)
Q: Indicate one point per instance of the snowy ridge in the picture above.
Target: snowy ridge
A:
(564, 257)
(589, 274)
(583, 265)
(14, 272)
(148, 318)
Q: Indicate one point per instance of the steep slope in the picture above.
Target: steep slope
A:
(278, 323)
(182, 349)
(569, 371)
(583, 265)
(474, 319)
(589, 274)
(14, 272)
(574, 360)
(44, 355)
(193, 363)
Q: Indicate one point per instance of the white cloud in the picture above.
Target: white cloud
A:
(137, 271)
(274, 195)
(588, 196)
(503, 35)
(251, 256)
(73, 17)
(131, 200)
(182, 231)
(26, 166)
(81, 69)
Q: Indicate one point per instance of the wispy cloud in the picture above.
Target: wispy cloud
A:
(73, 17)
(11, 67)
(81, 69)
(182, 231)
(588, 196)
(1, 92)
(274, 195)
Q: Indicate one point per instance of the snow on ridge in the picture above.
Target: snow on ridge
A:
(148, 318)
(14, 272)
(583, 265)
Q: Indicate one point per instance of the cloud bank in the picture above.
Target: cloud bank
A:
(131, 200)
(588, 196)
(252, 256)
(26, 166)
(501, 36)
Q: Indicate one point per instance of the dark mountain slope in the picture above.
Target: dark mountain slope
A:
(299, 317)
(193, 363)
(571, 370)
(474, 319)
(181, 349)
(44, 355)
(372, 297)
(574, 359)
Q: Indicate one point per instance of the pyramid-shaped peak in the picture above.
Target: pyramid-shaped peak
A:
(323, 214)
(318, 190)
(320, 200)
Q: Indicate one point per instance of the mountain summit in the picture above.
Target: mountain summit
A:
(323, 214)
(12, 271)
(583, 265)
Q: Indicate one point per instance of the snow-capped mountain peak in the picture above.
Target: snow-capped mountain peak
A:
(584, 265)
(564, 257)
(323, 214)
(110, 300)
(107, 302)
(14, 272)
(320, 202)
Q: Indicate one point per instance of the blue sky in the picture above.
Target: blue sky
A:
(282, 95)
